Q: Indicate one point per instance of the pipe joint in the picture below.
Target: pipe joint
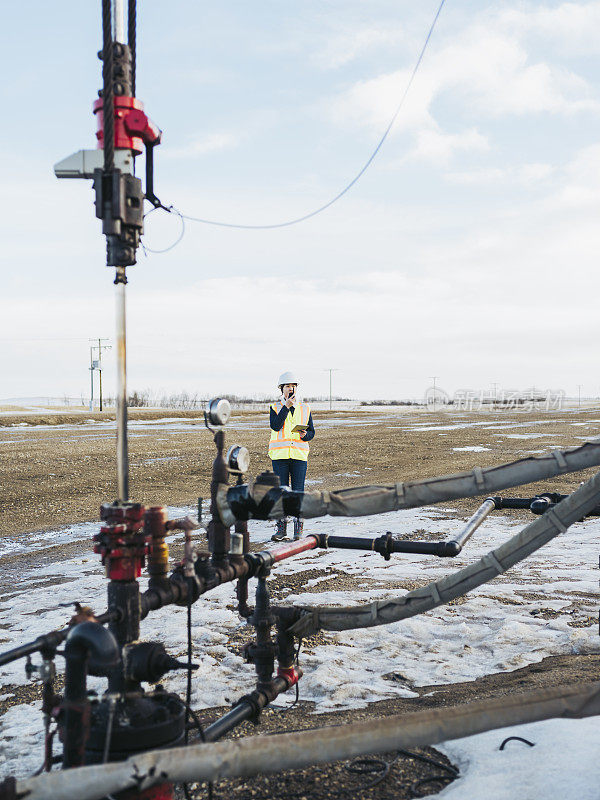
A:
(449, 549)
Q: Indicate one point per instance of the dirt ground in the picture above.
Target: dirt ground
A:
(51, 475)
(56, 470)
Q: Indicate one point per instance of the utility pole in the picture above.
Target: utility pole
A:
(495, 387)
(579, 385)
(330, 370)
(91, 378)
(99, 348)
(434, 379)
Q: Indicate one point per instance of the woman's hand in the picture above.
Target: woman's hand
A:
(290, 401)
(302, 434)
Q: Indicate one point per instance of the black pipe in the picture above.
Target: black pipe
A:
(285, 638)
(125, 597)
(48, 641)
(441, 549)
(540, 505)
(84, 640)
(248, 708)
(513, 502)
(241, 590)
(384, 545)
(218, 534)
(229, 721)
(347, 542)
(208, 576)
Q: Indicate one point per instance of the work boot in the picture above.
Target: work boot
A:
(280, 534)
(298, 527)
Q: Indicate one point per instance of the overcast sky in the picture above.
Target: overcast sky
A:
(469, 250)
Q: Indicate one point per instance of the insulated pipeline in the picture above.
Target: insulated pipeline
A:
(257, 755)
(531, 538)
(237, 502)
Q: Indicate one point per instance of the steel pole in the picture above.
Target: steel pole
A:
(119, 21)
(118, 27)
(474, 522)
(121, 326)
(91, 378)
(100, 369)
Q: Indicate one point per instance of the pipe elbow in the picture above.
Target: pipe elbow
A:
(450, 549)
(93, 640)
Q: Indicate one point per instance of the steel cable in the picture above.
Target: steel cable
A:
(107, 88)
(131, 38)
(348, 186)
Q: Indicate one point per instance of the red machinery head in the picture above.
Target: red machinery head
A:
(122, 543)
(133, 129)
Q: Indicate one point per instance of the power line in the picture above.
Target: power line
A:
(347, 188)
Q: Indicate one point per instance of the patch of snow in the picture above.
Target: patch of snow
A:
(71, 533)
(474, 449)
(524, 435)
(562, 765)
(461, 642)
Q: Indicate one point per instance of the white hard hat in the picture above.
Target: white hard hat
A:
(287, 377)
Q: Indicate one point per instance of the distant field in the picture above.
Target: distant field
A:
(56, 469)
(533, 626)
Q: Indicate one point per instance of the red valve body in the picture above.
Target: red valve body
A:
(133, 129)
(121, 542)
(290, 674)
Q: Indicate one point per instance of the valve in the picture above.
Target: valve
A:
(149, 661)
(121, 542)
(289, 674)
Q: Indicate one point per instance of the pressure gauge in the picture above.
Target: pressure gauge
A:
(218, 411)
(238, 458)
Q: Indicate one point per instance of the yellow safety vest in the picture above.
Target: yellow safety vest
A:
(284, 443)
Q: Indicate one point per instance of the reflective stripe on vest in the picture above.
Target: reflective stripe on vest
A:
(284, 443)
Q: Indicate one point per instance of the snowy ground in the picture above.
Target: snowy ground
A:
(562, 765)
(528, 613)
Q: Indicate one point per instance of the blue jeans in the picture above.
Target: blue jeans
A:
(294, 468)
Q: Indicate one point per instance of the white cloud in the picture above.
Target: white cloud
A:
(340, 48)
(487, 71)
(211, 143)
(495, 74)
(525, 175)
(434, 145)
(570, 27)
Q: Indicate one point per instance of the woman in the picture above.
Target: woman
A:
(291, 430)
